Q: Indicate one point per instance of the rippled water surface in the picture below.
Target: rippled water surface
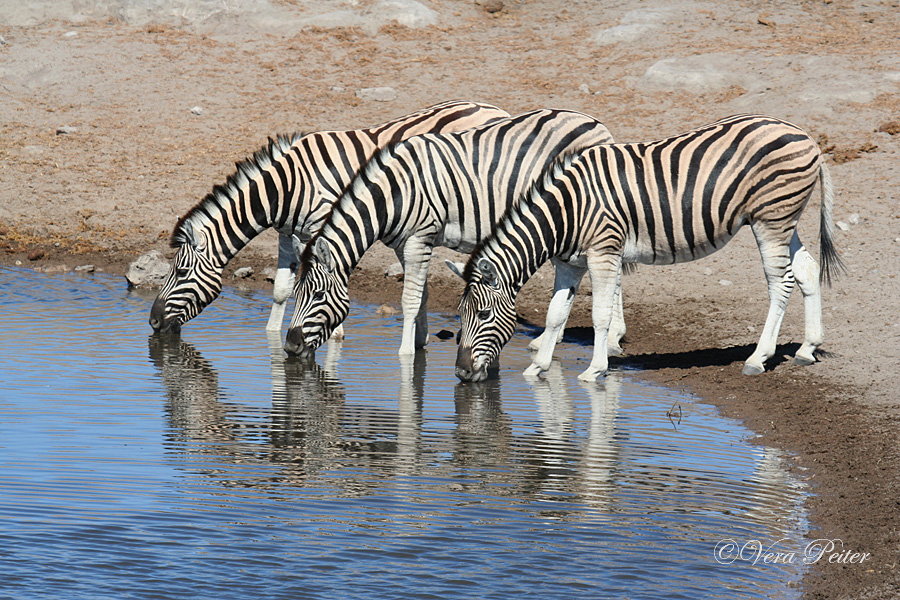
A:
(207, 466)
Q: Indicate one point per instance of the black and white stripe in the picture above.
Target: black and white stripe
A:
(289, 185)
(667, 201)
(446, 189)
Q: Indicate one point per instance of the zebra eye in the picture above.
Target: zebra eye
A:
(318, 296)
(484, 315)
(182, 271)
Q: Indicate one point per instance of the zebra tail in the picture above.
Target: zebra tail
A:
(831, 260)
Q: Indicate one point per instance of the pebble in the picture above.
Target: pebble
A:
(377, 94)
(242, 273)
(842, 226)
(724, 282)
(445, 334)
(197, 110)
(66, 130)
(386, 310)
(36, 255)
(85, 268)
(584, 89)
(395, 270)
(854, 219)
(492, 6)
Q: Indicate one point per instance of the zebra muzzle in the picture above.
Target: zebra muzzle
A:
(466, 369)
(295, 344)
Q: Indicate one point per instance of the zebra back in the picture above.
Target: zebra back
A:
(670, 200)
(452, 186)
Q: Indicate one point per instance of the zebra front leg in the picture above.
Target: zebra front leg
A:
(806, 272)
(557, 315)
(617, 325)
(604, 271)
(416, 257)
(777, 266)
(422, 319)
(566, 278)
(284, 282)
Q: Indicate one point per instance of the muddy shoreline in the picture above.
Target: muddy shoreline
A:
(846, 453)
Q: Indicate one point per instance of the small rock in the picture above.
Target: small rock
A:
(492, 6)
(444, 334)
(269, 274)
(890, 127)
(338, 89)
(36, 254)
(854, 219)
(707, 271)
(377, 94)
(70, 34)
(85, 269)
(56, 269)
(148, 271)
(386, 310)
(724, 282)
(395, 270)
(765, 19)
(242, 273)
(197, 110)
(2, 41)
(584, 89)
(842, 226)
(66, 130)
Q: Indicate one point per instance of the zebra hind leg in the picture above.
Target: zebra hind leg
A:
(566, 278)
(284, 282)
(780, 279)
(806, 272)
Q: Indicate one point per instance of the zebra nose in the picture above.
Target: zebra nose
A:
(465, 366)
(293, 342)
(157, 315)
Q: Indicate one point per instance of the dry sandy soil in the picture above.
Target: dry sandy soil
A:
(100, 152)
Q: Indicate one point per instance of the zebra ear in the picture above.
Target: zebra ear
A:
(323, 254)
(488, 272)
(456, 267)
(298, 245)
(196, 239)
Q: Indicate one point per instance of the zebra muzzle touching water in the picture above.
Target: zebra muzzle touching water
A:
(671, 200)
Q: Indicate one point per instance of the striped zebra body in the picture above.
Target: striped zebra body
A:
(444, 189)
(672, 200)
(289, 185)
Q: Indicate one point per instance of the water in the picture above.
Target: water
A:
(207, 466)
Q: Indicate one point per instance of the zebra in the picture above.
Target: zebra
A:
(290, 185)
(667, 201)
(444, 189)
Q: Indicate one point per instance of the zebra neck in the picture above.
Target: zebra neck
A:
(523, 243)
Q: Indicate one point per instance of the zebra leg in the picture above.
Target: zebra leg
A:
(422, 319)
(557, 315)
(806, 272)
(605, 273)
(416, 257)
(777, 266)
(617, 325)
(284, 282)
(566, 278)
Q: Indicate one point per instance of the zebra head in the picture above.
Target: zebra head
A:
(194, 281)
(321, 301)
(487, 314)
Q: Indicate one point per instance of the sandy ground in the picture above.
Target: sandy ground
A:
(100, 151)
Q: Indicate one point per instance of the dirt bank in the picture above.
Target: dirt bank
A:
(112, 126)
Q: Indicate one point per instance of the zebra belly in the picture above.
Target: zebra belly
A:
(664, 254)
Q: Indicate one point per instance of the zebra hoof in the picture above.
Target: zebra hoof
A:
(533, 372)
(751, 369)
(803, 361)
(591, 375)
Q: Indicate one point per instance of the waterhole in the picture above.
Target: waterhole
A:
(207, 465)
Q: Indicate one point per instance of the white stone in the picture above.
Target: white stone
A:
(377, 94)
(842, 226)
(724, 282)
(243, 273)
(854, 219)
(148, 271)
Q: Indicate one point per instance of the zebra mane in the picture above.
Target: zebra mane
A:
(222, 194)
(525, 201)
